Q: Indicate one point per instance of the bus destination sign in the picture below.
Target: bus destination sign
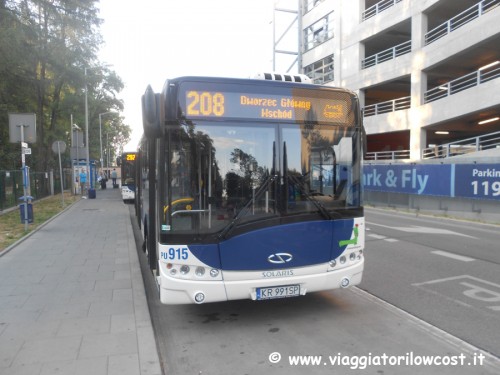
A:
(130, 157)
(228, 104)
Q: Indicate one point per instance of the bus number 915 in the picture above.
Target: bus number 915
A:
(205, 103)
(175, 254)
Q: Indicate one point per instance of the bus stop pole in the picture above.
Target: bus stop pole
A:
(60, 171)
(25, 178)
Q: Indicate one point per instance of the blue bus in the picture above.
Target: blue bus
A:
(250, 188)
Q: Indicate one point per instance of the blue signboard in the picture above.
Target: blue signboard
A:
(477, 181)
(480, 181)
(409, 179)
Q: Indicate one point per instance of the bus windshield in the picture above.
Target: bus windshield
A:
(222, 175)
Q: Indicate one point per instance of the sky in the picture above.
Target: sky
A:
(150, 41)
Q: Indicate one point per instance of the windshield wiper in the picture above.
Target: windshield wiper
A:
(302, 188)
(263, 188)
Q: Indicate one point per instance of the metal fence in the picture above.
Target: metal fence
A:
(462, 83)
(388, 155)
(377, 8)
(388, 54)
(464, 146)
(42, 184)
(388, 106)
(461, 19)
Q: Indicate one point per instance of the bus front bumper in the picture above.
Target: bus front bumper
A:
(181, 291)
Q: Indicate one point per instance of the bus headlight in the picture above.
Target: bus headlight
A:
(345, 261)
(199, 297)
(344, 283)
(185, 269)
(214, 272)
(200, 271)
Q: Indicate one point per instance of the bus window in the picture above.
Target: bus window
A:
(215, 172)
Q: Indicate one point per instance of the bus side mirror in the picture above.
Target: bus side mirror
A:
(151, 113)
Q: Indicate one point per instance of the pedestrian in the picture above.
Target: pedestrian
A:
(102, 181)
(83, 182)
(113, 176)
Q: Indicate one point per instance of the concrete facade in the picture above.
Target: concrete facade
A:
(418, 66)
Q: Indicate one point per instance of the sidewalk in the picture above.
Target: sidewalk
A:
(72, 298)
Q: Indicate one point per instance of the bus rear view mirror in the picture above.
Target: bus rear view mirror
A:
(151, 113)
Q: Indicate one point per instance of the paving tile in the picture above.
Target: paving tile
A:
(113, 284)
(91, 366)
(39, 301)
(108, 344)
(9, 347)
(92, 296)
(122, 275)
(30, 330)
(48, 350)
(34, 369)
(66, 311)
(124, 365)
(13, 302)
(123, 323)
(122, 295)
(84, 326)
(111, 308)
(16, 315)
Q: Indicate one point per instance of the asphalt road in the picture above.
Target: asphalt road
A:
(348, 326)
(445, 272)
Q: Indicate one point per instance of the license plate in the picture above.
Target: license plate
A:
(274, 292)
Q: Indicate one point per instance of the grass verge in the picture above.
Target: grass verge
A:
(11, 228)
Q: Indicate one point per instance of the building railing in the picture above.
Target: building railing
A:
(388, 106)
(464, 146)
(388, 54)
(388, 155)
(377, 8)
(461, 19)
(462, 83)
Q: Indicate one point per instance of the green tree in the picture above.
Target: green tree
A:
(49, 45)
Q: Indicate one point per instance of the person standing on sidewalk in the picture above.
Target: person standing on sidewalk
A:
(83, 182)
(113, 177)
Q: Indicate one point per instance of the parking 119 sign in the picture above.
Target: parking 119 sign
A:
(479, 181)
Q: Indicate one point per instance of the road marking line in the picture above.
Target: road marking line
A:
(377, 236)
(453, 256)
(418, 229)
(380, 237)
(391, 240)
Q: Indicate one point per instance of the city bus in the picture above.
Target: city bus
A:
(128, 172)
(250, 189)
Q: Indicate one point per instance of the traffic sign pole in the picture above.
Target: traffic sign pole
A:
(24, 146)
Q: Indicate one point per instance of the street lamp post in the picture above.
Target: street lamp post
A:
(87, 130)
(107, 150)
